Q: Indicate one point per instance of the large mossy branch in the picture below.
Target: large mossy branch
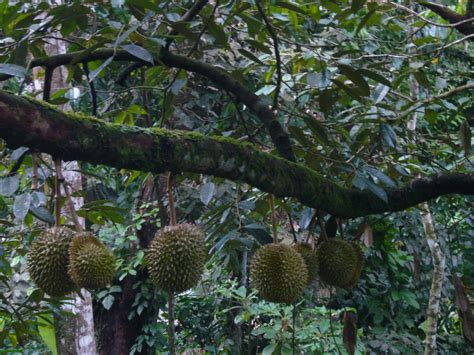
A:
(218, 76)
(24, 122)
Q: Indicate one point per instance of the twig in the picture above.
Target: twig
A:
(172, 207)
(416, 14)
(34, 175)
(274, 36)
(57, 191)
(274, 221)
(188, 16)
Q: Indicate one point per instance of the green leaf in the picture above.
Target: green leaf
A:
(9, 185)
(290, 7)
(375, 76)
(21, 206)
(356, 5)
(47, 332)
(318, 130)
(139, 52)
(42, 213)
(250, 56)
(364, 21)
(355, 77)
(218, 33)
(12, 69)
(96, 72)
(207, 192)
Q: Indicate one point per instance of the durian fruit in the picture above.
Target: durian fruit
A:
(48, 261)
(340, 263)
(279, 273)
(91, 264)
(359, 265)
(176, 258)
(310, 256)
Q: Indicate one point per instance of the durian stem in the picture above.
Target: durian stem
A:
(34, 175)
(171, 333)
(57, 192)
(72, 209)
(171, 200)
(274, 221)
(70, 203)
(322, 225)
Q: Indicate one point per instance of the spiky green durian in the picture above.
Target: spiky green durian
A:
(176, 258)
(310, 256)
(91, 264)
(279, 273)
(340, 263)
(358, 266)
(48, 261)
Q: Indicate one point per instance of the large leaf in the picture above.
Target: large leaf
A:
(356, 77)
(12, 69)
(139, 52)
(9, 185)
(21, 206)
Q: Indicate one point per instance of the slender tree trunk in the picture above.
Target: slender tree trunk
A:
(437, 255)
(437, 279)
(77, 332)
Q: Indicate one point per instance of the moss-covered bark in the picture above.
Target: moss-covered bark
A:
(24, 122)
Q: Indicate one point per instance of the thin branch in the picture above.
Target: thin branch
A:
(274, 36)
(218, 76)
(431, 99)
(188, 16)
(451, 15)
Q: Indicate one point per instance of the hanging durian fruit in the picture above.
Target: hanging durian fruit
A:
(48, 261)
(310, 256)
(279, 273)
(176, 258)
(340, 263)
(91, 264)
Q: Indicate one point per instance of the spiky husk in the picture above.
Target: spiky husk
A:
(176, 258)
(310, 256)
(340, 263)
(279, 273)
(359, 265)
(91, 265)
(48, 261)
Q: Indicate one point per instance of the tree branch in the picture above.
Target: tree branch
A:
(24, 122)
(218, 76)
(463, 23)
(274, 36)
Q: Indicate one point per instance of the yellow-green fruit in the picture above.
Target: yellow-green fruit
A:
(176, 258)
(91, 264)
(340, 263)
(359, 265)
(310, 256)
(48, 261)
(279, 273)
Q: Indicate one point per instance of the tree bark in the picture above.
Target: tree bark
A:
(437, 279)
(71, 137)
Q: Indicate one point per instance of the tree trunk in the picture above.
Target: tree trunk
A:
(116, 332)
(437, 279)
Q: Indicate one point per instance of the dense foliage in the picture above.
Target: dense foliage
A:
(347, 79)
